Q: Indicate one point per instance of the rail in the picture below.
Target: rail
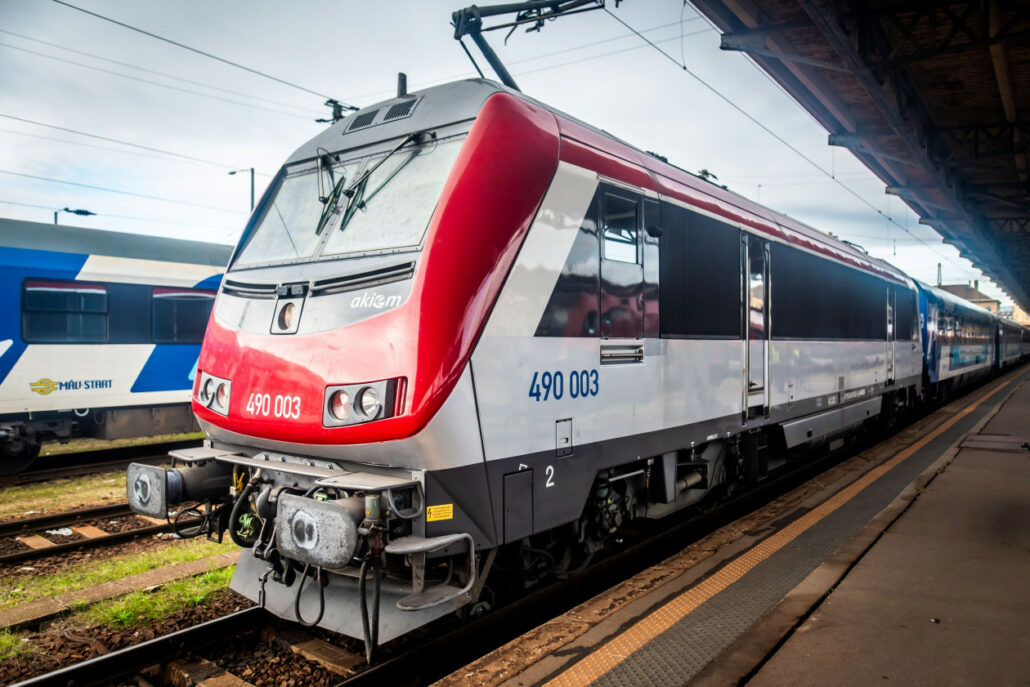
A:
(131, 660)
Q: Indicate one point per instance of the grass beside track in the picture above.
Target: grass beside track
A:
(77, 445)
(19, 590)
(62, 495)
(139, 608)
(13, 645)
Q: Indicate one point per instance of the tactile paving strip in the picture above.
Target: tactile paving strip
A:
(684, 649)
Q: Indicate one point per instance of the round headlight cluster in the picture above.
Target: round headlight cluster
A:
(214, 393)
(356, 404)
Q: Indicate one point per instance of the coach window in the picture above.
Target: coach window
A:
(64, 312)
(180, 315)
(620, 229)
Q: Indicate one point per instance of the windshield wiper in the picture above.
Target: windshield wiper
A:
(356, 193)
(330, 202)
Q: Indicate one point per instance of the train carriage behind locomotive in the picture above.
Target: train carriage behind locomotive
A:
(462, 323)
(100, 334)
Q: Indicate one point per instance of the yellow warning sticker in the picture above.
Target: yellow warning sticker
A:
(442, 512)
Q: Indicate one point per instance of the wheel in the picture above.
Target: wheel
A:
(16, 456)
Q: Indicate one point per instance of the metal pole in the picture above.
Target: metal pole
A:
(252, 189)
(495, 62)
(55, 216)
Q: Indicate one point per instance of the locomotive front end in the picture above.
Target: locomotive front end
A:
(334, 386)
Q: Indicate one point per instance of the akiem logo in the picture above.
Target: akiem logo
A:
(45, 386)
(373, 300)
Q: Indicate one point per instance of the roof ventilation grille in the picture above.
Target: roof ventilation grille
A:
(398, 110)
(362, 120)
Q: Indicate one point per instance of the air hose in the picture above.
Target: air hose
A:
(321, 596)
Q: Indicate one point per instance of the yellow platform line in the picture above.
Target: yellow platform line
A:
(619, 648)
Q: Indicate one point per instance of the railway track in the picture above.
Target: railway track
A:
(92, 462)
(132, 660)
(32, 531)
(450, 644)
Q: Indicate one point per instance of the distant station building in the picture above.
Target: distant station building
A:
(973, 295)
(1016, 314)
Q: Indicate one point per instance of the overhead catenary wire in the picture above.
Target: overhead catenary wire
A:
(154, 83)
(200, 52)
(112, 149)
(163, 199)
(134, 218)
(157, 73)
(130, 144)
(452, 77)
(772, 133)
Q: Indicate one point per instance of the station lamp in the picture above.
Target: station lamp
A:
(251, 170)
(80, 211)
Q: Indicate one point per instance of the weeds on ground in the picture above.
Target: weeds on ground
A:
(139, 608)
(18, 590)
(13, 645)
(76, 445)
(62, 495)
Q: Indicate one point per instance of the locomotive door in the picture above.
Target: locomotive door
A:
(891, 313)
(756, 314)
(622, 275)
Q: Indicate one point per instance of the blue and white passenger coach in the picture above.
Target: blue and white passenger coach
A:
(99, 334)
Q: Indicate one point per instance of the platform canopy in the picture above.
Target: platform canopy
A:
(934, 97)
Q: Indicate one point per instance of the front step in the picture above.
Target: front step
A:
(441, 593)
(409, 545)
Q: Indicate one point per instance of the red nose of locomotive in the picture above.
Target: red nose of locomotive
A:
(306, 388)
(351, 307)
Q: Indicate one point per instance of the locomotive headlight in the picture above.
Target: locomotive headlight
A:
(222, 395)
(215, 393)
(339, 405)
(368, 401)
(207, 391)
(353, 404)
(286, 316)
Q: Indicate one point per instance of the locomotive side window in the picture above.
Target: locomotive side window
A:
(620, 229)
(906, 316)
(64, 312)
(815, 298)
(621, 297)
(180, 315)
(700, 276)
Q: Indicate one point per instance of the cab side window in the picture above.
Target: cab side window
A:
(620, 227)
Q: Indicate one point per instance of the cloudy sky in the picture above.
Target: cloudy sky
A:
(74, 89)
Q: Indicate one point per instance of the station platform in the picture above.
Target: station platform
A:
(908, 564)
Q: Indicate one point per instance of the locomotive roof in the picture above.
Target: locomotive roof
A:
(64, 238)
(459, 101)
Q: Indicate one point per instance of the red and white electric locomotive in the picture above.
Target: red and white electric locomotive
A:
(461, 324)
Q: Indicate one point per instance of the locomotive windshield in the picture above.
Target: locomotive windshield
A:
(387, 210)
